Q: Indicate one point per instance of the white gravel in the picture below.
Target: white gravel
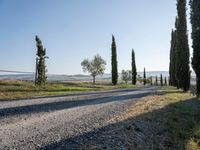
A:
(36, 123)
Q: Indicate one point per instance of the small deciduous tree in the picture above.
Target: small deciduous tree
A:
(95, 67)
(126, 75)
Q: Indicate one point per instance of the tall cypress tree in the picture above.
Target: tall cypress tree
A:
(134, 70)
(41, 67)
(182, 49)
(175, 53)
(195, 21)
(114, 62)
(161, 80)
(172, 66)
(144, 77)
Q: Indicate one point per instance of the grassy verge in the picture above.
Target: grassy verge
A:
(169, 119)
(27, 89)
(183, 120)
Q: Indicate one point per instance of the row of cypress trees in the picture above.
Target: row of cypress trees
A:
(40, 77)
(179, 53)
(114, 64)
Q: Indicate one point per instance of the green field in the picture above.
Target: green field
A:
(27, 89)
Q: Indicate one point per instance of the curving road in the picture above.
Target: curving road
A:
(39, 123)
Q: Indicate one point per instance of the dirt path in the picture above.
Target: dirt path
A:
(33, 124)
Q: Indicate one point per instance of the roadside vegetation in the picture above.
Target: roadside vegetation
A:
(27, 89)
(167, 119)
(182, 119)
(174, 114)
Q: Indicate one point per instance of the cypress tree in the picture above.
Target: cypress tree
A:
(144, 77)
(41, 67)
(182, 48)
(175, 53)
(171, 60)
(195, 21)
(156, 81)
(161, 80)
(134, 70)
(165, 81)
(172, 66)
(114, 62)
(151, 80)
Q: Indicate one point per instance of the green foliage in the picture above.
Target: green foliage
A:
(144, 77)
(126, 75)
(134, 70)
(41, 67)
(96, 66)
(182, 48)
(195, 21)
(114, 62)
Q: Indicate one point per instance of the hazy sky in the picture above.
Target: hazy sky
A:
(72, 30)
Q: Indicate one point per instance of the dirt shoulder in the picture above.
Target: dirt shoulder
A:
(168, 119)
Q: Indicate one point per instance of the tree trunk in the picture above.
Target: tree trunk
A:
(93, 79)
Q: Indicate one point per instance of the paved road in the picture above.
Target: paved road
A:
(37, 123)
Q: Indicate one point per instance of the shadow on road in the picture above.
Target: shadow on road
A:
(53, 106)
(166, 128)
(69, 95)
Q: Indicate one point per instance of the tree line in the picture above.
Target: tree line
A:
(95, 67)
(179, 68)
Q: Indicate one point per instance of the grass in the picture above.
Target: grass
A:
(26, 89)
(181, 113)
(183, 119)
(168, 119)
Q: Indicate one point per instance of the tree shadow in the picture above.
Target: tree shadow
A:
(83, 93)
(62, 90)
(167, 128)
(64, 104)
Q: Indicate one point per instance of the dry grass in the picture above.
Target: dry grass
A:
(169, 119)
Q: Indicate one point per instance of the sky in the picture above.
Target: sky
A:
(72, 30)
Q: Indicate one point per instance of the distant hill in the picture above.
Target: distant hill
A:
(77, 77)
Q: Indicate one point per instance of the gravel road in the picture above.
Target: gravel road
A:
(37, 123)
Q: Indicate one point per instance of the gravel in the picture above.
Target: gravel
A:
(45, 123)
